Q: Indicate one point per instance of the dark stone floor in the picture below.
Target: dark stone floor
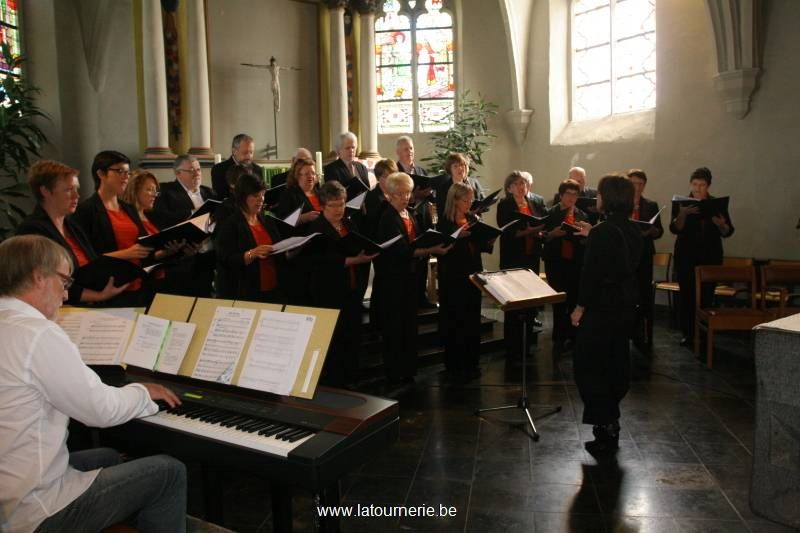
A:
(683, 463)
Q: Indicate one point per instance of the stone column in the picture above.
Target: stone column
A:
(155, 82)
(197, 89)
(338, 87)
(368, 106)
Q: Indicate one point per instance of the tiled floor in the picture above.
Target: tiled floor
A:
(683, 463)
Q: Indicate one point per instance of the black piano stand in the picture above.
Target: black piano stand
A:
(526, 317)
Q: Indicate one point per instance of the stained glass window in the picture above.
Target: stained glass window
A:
(414, 63)
(9, 32)
(613, 57)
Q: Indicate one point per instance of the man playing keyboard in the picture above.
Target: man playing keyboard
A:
(43, 383)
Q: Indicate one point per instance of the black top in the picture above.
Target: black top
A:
(398, 260)
(330, 279)
(220, 170)
(40, 223)
(337, 170)
(374, 204)
(551, 249)
(278, 179)
(463, 259)
(647, 210)
(608, 279)
(442, 186)
(92, 217)
(699, 242)
(419, 171)
(173, 204)
(235, 280)
(292, 198)
(512, 248)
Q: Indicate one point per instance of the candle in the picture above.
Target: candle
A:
(318, 158)
(217, 159)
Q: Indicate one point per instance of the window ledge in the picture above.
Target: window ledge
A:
(636, 126)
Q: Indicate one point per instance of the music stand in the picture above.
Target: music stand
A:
(536, 293)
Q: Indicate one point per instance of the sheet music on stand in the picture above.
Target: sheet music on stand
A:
(517, 288)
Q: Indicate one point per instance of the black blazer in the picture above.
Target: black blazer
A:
(512, 248)
(173, 204)
(235, 280)
(397, 261)
(419, 171)
(92, 217)
(338, 171)
(698, 243)
(442, 186)
(329, 277)
(220, 170)
(290, 200)
(463, 259)
(613, 251)
(39, 223)
(278, 179)
(374, 204)
(551, 250)
(647, 210)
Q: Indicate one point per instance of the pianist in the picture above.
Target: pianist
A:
(43, 383)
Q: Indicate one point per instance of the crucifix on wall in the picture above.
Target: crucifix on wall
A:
(274, 71)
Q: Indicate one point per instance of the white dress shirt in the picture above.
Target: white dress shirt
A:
(44, 382)
(195, 196)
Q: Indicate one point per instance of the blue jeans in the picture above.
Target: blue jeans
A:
(152, 489)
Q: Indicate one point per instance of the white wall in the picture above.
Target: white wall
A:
(250, 31)
(751, 159)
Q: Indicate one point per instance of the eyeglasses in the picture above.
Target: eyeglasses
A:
(154, 192)
(66, 281)
(120, 171)
(402, 194)
(190, 170)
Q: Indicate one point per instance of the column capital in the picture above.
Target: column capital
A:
(337, 4)
(369, 7)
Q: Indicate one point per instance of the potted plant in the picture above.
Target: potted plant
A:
(20, 139)
(469, 134)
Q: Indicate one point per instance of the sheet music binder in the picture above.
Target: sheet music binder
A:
(483, 280)
(200, 311)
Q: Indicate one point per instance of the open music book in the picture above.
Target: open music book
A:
(517, 288)
(248, 344)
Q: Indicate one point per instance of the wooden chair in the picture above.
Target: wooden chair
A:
(780, 285)
(664, 260)
(711, 319)
(728, 291)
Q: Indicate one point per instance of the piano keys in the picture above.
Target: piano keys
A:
(289, 442)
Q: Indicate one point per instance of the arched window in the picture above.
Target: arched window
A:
(9, 33)
(414, 63)
(613, 57)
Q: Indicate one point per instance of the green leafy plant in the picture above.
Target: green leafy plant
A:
(21, 138)
(469, 134)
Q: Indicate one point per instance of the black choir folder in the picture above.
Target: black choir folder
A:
(95, 275)
(516, 288)
(480, 206)
(194, 231)
(709, 208)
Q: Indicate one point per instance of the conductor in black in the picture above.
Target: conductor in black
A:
(605, 313)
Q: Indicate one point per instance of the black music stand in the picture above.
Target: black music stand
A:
(526, 308)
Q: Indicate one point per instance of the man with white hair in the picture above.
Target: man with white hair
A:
(279, 179)
(404, 148)
(345, 168)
